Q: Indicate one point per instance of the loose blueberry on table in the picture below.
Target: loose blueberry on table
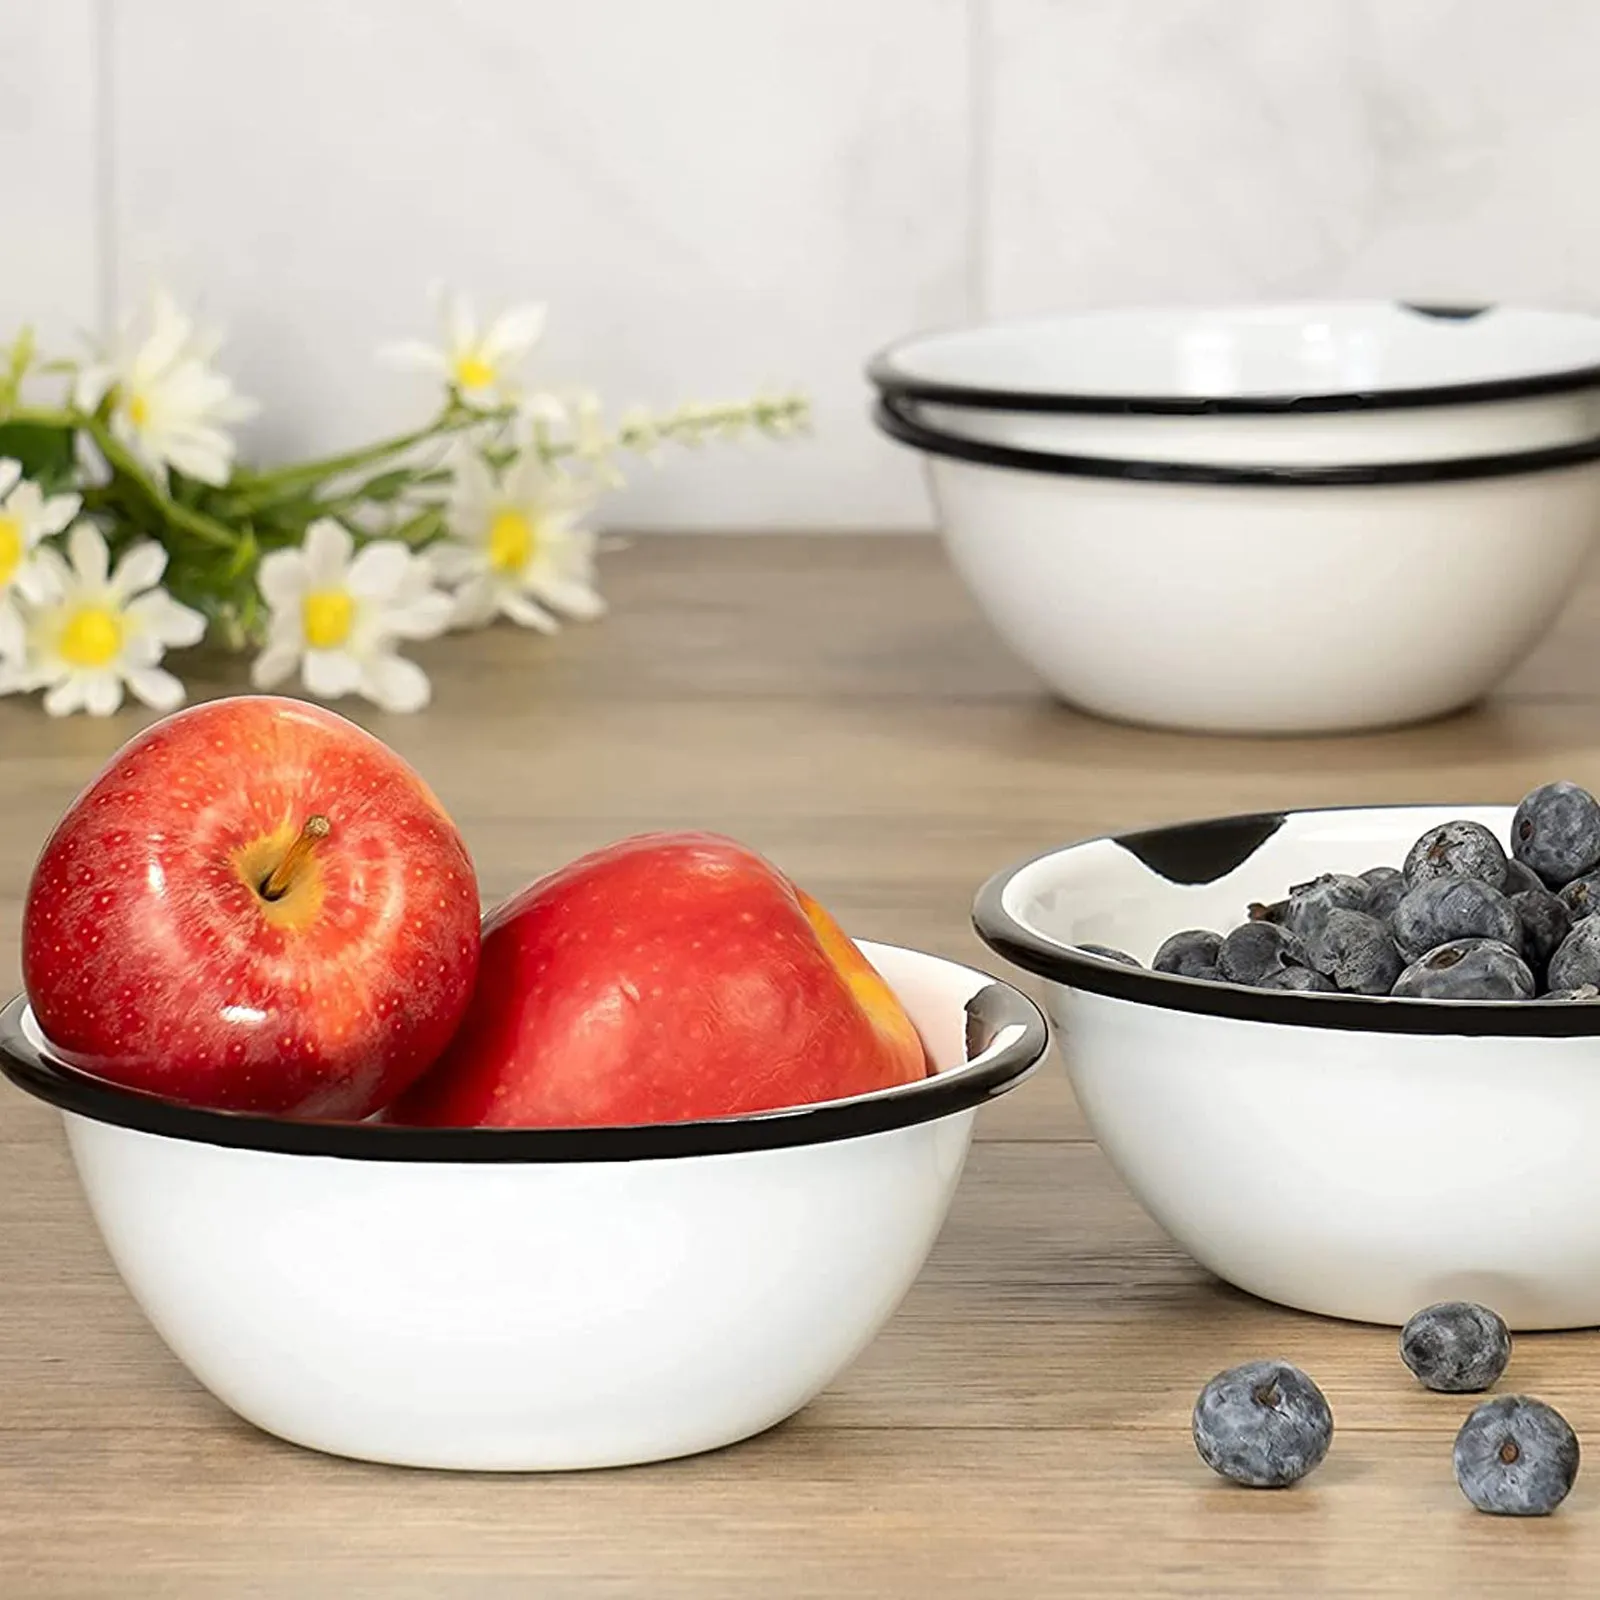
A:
(1264, 1424)
(1516, 1457)
(1456, 1347)
(1463, 919)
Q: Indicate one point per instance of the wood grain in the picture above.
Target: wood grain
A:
(1021, 1426)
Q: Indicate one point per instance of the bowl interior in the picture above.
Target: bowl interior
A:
(983, 1037)
(1249, 352)
(1133, 892)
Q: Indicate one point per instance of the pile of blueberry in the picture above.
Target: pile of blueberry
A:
(1266, 1424)
(1461, 920)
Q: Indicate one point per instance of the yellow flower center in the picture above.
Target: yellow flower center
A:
(327, 615)
(91, 638)
(138, 410)
(473, 372)
(10, 548)
(511, 541)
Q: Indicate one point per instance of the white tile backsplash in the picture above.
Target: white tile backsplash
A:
(715, 196)
(712, 197)
(48, 148)
(1230, 149)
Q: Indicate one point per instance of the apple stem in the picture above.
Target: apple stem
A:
(276, 883)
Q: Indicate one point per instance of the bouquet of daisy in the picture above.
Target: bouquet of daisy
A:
(128, 527)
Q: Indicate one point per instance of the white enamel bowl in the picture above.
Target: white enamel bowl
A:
(536, 1299)
(1263, 600)
(1361, 1158)
(1330, 384)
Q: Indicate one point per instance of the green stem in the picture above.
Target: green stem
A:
(336, 505)
(193, 522)
(687, 425)
(260, 488)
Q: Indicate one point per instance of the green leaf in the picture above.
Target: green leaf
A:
(387, 485)
(45, 452)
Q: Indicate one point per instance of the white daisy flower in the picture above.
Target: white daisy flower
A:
(26, 517)
(479, 363)
(90, 632)
(337, 614)
(516, 548)
(168, 404)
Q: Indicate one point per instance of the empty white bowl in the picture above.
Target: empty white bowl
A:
(1263, 599)
(536, 1299)
(1361, 1158)
(1288, 385)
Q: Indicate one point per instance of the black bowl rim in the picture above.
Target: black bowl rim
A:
(1076, 969)
(995, 1066)
(883, 375)
(890, 419)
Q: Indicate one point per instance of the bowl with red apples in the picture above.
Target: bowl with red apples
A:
(630, 1168)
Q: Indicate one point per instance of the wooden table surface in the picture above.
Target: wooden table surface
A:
(1022, 1425)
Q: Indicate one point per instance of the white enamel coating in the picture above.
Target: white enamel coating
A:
(525, 1317)
(1244, 352)
(1293, 439)
(1240, 352)
(1358, 1175)
(1280, 609)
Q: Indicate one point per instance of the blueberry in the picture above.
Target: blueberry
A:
(1265, 1424)
(1581, 897)
(1545, 923)
(1456, 1347)
(1257, 950)
(1556, 831)
(1190, 954)
(1386, 888)
(1467, 969)
(1356, 951)
(1457, 850)
(1440, 910)
(1309, 903)
(1106, 953)
(1519, 876)
(1300, 979)
(1584, 991)
(1577, 962)
(1516, 1457)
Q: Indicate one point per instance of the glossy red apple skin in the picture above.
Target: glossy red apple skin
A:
(151, 958)
(670, 977)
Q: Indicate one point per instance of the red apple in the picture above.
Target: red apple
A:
(669, 977)
(255, 906)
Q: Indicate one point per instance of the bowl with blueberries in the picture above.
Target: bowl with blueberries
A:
(1348, 1058)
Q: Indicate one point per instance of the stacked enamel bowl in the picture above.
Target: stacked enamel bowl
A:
(1277, 519)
